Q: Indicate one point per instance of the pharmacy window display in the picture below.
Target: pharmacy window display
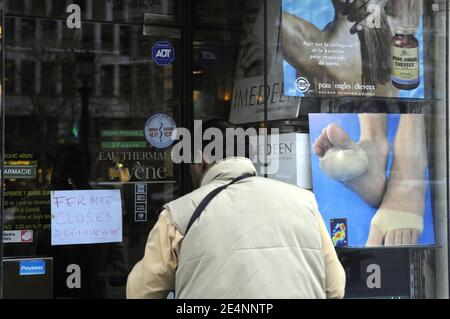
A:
(364, 167)
(357, 91)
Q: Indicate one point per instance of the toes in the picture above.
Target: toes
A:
(394, 238)
(390, 238)
(318, 149)
(398, 237)
(321, 144)
(375, 237)
(332, 136)
(338, 137)
(414, 236)
(323, 139)
(401, 237)
(406, 237)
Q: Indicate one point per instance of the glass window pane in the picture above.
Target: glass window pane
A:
(124, 11)
(77, 101)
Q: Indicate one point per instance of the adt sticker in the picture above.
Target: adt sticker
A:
(32, 267)
(158, 130)
(163, 53)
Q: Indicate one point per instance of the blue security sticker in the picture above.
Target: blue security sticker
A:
(159, 129)
(32, 267)
(163, 53)
(208, 56)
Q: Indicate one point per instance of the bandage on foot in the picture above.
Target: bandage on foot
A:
(387, 220)
(344, 164)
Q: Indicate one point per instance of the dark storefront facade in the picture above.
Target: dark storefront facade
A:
(83, 82)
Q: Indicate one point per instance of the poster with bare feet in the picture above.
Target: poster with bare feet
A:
(353, 48)
(372, 170)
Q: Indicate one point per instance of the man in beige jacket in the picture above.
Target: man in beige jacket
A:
(257, 238)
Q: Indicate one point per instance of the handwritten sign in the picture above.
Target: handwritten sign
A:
(86, 217)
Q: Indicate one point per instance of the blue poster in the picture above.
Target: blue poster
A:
(403, 198)
(353, 48)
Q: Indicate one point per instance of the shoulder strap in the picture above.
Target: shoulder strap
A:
(198, 211)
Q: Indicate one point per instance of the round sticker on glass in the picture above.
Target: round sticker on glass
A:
(302, 84)
(158, 130)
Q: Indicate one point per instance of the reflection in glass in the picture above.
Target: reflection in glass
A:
(77, 102)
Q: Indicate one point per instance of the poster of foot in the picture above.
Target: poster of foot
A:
(353, 48)
(370, 173)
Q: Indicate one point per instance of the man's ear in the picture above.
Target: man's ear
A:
(204, 165)
(198, 157)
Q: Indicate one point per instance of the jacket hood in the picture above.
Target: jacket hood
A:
(228, 169)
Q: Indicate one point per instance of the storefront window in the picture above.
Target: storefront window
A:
(381, 83)
(79, 101)
(3, 69)
(123, 11)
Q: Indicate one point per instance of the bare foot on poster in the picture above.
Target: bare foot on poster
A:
(399, 220)
(360, 166)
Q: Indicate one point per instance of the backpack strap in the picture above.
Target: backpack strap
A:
(198, 211)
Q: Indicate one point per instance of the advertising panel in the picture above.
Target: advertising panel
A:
(371, 171)
(353, 48)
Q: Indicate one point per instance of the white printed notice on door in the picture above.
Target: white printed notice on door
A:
(86, 217)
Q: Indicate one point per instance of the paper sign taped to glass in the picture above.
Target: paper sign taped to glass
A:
(250, 94)
(353, 48)
(371, 170)
(86, 217)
